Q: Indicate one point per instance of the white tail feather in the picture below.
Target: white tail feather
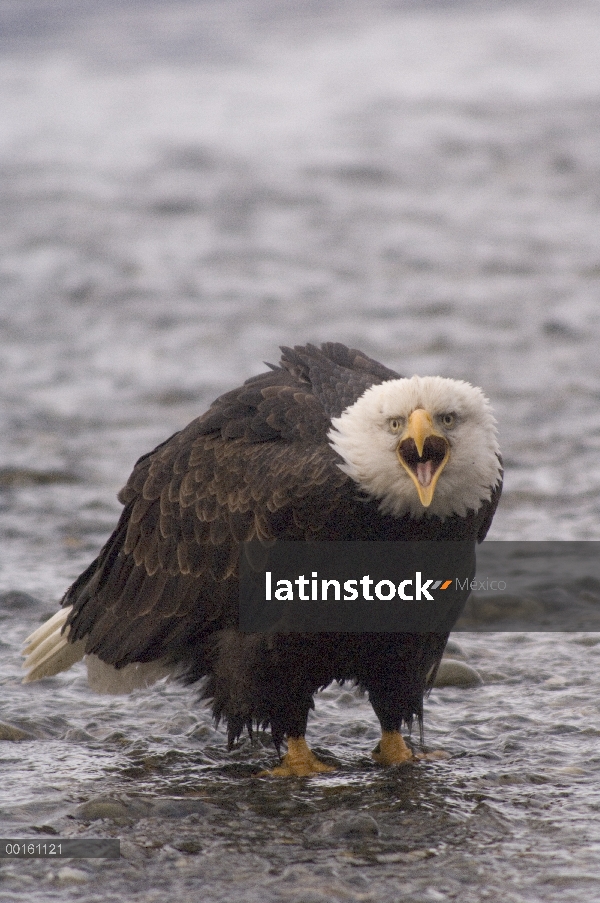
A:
(46, 629)
(48, 650)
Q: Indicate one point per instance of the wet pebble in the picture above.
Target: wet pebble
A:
(77, 735)
(357, 729)
(355, 826)
(188, 845)
(201, 732)
(69, 875)
(123, 808)
(454, 650)
(555, 683)
(132, 852)
(12, 733)
(14, 600)
(453, 673)
(111, 808)
(503, 609)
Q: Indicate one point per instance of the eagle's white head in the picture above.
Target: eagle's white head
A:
(424, 445)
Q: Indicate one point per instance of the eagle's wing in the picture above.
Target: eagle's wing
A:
(256, 465)
(485, 515)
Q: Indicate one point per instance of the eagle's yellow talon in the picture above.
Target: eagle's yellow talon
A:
(392, 750)
(298, 762)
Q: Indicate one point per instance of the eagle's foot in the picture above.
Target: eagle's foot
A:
(392, 750)
(298, 762)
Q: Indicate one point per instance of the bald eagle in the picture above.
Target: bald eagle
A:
(327, 445)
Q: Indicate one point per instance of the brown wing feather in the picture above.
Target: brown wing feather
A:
(486, 513)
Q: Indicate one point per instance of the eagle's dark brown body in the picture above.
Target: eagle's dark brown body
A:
(256, 465)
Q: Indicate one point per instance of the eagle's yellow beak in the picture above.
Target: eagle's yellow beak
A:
(423, 452)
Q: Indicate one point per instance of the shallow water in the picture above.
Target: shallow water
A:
(185, 187)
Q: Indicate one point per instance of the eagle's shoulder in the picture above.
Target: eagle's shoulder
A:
(257, 442)
(337, 375)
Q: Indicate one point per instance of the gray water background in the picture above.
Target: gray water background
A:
(186, 186)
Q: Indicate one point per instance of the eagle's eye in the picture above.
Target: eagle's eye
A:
(449, 420)
(396, 424)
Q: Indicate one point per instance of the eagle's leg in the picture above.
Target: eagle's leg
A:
(290, 721)
(299, 761)
(392, 748)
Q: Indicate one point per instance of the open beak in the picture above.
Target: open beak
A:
(423, 452)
